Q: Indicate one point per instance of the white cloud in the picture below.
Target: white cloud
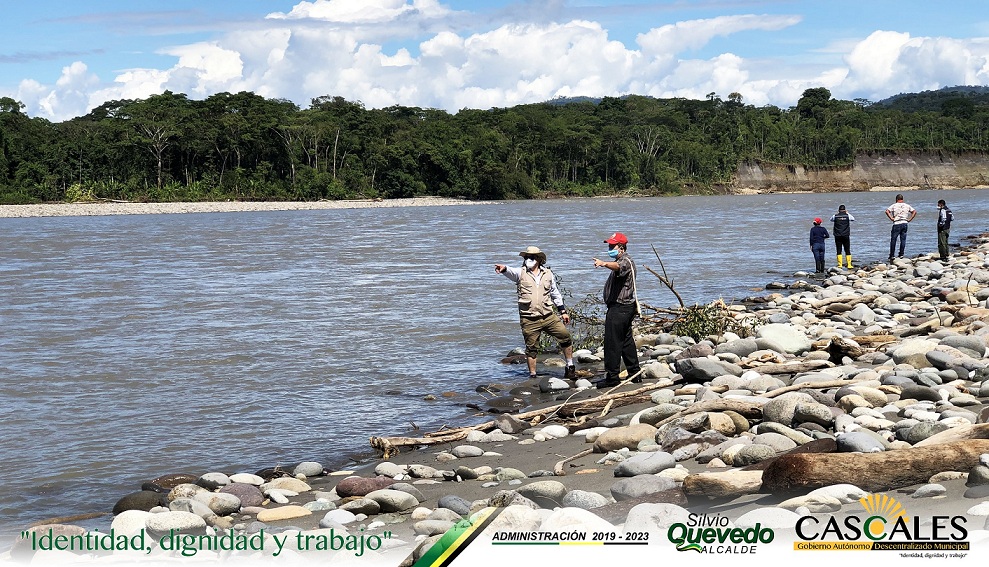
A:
(694, 34)
(362, 11)
(70, 96)
(346, 48)
(209, 67)
(887, 63)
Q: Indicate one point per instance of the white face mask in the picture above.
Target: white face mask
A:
(530, 263)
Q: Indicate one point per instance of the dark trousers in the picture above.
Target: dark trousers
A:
(818, 249)
(842, 242)
(942, 243)
(898, 231)
(618, 342)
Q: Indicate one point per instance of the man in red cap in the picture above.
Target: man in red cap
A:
(818, 234)
(623, 307)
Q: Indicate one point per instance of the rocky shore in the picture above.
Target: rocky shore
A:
(116, 208)
(867, 383)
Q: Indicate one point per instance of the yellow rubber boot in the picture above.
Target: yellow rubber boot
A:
(849, 261)
(840, 263)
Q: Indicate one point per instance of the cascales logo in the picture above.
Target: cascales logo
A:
(883, 526)
(714, 534)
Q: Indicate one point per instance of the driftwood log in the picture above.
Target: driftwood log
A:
(809, 386)
(748, 410)
(874, 472)
(791, 367)
(390, 446)
(864, 341)
(558, 469)
(960, 433)
(730, 483)
(849, 300)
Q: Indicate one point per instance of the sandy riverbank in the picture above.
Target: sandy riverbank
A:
(105, 209)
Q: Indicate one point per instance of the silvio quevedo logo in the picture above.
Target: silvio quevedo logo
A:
(883, 526)
(714, 534)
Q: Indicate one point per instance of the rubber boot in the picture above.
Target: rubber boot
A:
(840, 261)
(849, 261)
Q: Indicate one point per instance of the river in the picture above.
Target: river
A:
(133, 346)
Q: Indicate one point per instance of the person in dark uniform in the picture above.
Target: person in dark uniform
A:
(843, 234)
(944, 218)
(818, 234)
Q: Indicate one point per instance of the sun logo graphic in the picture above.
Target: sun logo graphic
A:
(882, 510)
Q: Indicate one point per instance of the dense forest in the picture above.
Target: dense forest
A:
(245, 147)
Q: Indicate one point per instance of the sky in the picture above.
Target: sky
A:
(61, 58)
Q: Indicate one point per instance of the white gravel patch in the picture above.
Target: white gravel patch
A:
(103, 209)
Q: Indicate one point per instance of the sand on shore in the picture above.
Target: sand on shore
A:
(115, 208)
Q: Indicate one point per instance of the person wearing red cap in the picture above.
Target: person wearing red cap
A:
(818, 234)
(620, 297)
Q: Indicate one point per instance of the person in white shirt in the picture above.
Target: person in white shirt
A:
(538, 294)
(901, 214)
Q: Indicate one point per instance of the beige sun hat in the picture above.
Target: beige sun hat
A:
(535, 253)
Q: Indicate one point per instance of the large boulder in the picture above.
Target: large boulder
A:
(361, 486)
(700, 370)
(862, 314)
(739, 347)
(637, 486)
(791, 339)
(914, 352)
(629, 436)
(781, 409)
(144, 500)
(645, 463)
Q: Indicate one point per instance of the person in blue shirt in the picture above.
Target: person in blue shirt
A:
(818, 234)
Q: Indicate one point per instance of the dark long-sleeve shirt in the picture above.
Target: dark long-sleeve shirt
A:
(818, 235)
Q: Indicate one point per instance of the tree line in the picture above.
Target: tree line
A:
(243, 146)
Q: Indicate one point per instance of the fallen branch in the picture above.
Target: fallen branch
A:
(850, 301)
(790, 368)
(864, 341)
(810, 386)
(558, 468)
(391, 445)
(665, 278)
(749, 410)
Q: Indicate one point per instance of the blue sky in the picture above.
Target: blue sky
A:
(62, 58)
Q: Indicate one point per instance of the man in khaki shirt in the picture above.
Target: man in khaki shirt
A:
(538, 294)
(901, 214)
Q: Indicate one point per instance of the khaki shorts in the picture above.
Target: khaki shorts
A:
(550, 324)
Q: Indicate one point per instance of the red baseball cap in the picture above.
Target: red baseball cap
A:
(817, 220)
(617, 238)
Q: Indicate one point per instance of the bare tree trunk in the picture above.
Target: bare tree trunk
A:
(336, 140)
